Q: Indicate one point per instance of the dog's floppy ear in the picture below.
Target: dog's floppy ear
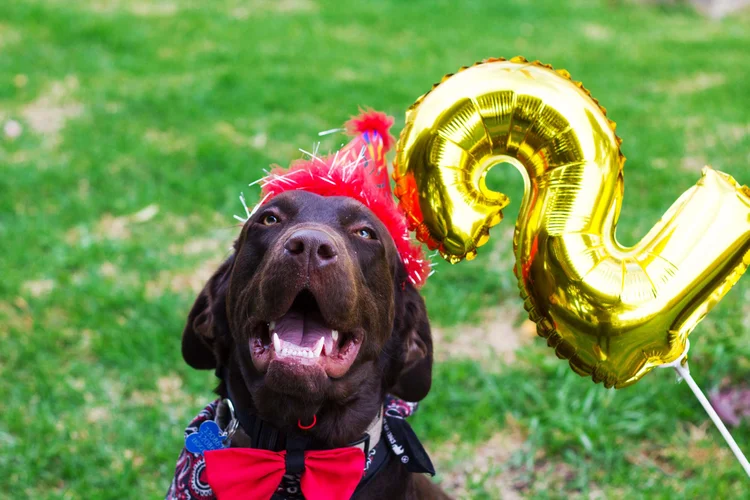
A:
(207, 327)
(412, 329)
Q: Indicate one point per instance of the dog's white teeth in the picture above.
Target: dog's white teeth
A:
(283, 349)
(334, 335)
(318, 347)
(272, 325)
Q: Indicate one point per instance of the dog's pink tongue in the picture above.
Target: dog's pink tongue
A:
(303, 329)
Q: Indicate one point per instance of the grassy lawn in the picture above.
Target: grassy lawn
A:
(137, 124)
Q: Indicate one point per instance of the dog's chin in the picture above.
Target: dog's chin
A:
(301, 381)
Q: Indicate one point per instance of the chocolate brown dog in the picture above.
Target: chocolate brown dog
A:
(313, 319)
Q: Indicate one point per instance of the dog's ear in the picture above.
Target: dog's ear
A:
(413, 369)
(207, 328)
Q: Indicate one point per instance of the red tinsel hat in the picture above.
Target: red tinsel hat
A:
(359, 170)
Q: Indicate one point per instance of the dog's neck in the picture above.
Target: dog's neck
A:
(336, 423)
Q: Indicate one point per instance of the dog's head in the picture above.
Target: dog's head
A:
(313, 309)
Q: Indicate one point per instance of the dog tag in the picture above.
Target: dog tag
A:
(209, 437)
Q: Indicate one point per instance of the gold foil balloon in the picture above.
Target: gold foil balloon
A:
(614, 312)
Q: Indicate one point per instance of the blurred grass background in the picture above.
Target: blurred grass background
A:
(130, 127)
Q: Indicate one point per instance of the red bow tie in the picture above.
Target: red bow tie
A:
(251, 474)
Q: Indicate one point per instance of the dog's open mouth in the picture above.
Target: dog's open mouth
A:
(302, 337)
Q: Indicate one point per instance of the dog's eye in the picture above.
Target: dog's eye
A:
(366, 233)
(270, 220)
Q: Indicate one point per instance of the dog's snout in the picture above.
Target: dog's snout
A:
(313, 245)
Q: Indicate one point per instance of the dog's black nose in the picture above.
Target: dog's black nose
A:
(312, 245)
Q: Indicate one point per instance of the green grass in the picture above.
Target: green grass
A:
(178, 105)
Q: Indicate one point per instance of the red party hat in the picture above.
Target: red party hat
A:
(359, 170)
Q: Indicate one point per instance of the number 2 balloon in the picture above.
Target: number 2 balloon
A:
(614, 312)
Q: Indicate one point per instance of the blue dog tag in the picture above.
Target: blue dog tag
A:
(209, 437)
